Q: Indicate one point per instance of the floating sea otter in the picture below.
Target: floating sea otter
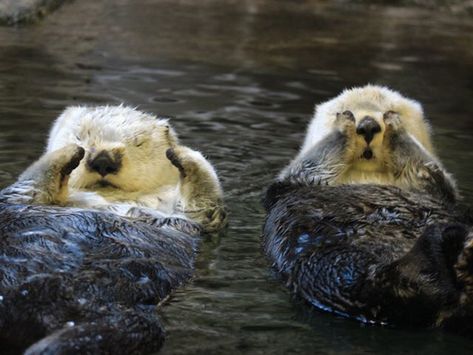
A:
(98, 231)
(363, 222)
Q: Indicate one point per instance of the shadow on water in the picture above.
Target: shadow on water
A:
(239, 80)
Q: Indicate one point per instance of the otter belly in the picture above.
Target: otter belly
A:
(82, 281)
(378, 254)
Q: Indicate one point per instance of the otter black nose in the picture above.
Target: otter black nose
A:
(104, 164)
(367, 128)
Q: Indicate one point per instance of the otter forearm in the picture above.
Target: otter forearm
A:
(45, 181)
(201, 197)
(202, 200)
(321, 165)
(410, 162)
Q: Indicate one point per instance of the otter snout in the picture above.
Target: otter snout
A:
(367, 128)
(104, 163)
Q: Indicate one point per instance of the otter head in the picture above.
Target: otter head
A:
(366, 107)
(124, 149)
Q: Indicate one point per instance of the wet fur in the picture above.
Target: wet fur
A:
(84, 262)
(146, 179)
(83, 281)
(403, 152)
(388, 248)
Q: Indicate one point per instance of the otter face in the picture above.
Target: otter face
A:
(124, 148)
(367, 106)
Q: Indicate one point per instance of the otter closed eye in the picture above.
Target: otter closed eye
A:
(125, 164)
(122, 208)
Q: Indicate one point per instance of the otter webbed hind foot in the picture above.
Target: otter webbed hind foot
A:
(372, 253)
(424, 287)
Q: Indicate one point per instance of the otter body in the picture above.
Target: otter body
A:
(364, 223)
(98, 231)
(83, 281)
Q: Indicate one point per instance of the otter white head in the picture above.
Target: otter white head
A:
(367, 106)
(125, 149)
(127, 162)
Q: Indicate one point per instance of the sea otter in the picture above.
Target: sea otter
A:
(364, 221)
(98, 231)
(119, 159)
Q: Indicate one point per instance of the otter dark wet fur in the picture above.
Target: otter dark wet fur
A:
(82, 281)
(374, 253)
(381, 240)
(82, 268)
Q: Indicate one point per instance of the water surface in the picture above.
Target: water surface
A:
(239, 80)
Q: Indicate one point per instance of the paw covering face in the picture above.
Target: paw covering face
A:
(368, 106)
(124, 148)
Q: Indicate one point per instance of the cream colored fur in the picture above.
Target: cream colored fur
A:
(374, 101)
(410, 163)
(141, 139)
(146, 178)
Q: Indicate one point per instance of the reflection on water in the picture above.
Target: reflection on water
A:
(239, 79)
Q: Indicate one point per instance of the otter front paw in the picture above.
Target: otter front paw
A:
(49, 176)
(393, 123)
(176, 161)
(200, 191)
(394, 140)
(345, 122)
(70, 157)
(63, 162)
(189, 163)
